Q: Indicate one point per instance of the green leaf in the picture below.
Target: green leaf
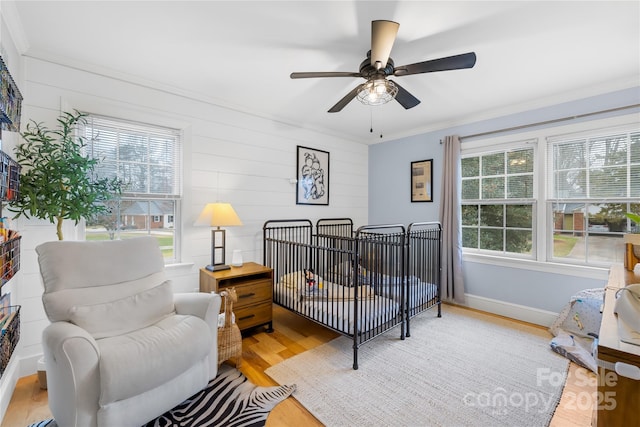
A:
(57, 181)
(633, 217)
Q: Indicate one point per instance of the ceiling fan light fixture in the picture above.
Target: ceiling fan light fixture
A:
(377, 92)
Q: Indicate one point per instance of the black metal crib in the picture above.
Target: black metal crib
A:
(359, 283)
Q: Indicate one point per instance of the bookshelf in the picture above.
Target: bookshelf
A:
(10, 109)
(9, 239)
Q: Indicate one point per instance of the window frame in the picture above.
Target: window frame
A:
(177, 195)
(475, 150)
(587, 199)
(542, 262)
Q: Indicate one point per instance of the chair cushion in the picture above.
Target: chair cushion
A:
(94, 272)
(137, 362)
(67, 264)
(124, 315)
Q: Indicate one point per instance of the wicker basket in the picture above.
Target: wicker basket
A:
(229, 337)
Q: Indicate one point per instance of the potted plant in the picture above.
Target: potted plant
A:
(58, 180)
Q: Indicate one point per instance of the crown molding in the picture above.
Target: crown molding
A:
(11, 18)
(550, 101)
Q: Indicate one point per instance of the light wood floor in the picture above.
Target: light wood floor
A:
(294, 335)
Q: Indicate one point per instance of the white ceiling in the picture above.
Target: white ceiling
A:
(240, 54)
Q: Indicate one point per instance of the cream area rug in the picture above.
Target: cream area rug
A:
(464, 369)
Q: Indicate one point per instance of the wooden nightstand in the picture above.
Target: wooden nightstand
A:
(254, 287)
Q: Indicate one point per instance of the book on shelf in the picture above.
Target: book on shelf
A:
(7, 321)
(5, 309)
(5, 302)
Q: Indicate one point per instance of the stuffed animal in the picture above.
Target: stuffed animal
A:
(310, 278)
(313, 285)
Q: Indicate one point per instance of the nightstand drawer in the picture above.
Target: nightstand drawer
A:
(253, 315)
(254, 292)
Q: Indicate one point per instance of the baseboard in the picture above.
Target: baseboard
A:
(8, 385)
(29, 365)
(513, 311)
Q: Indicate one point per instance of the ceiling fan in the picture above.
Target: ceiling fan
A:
(378, 89)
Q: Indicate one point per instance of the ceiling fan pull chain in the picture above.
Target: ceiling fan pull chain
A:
(371, 118)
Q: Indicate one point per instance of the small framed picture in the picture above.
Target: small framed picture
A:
(312, 173)
(422, 181)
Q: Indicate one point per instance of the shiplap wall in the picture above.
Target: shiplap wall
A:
(229, 156)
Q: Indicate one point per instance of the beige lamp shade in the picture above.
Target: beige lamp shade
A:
(218, 215)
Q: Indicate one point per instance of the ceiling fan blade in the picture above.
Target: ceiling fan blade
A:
(456, 62)
(383, 34)
(404, 98)
(347, 99)
(324, 74)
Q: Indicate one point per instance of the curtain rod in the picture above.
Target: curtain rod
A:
(547, 122)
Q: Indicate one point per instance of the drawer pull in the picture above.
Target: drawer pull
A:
(246, 295)
(627, 370)
(247, 317)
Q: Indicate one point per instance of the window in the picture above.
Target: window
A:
(593, 180)
(498, 200)
(147, 160)
(561, 201)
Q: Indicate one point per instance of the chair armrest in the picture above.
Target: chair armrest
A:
(207, 307)
(204, 305)
(73, 374)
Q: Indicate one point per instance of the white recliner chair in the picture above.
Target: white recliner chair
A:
(121, 348)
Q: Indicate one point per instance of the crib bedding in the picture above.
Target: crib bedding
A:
(389, 286)
(332, 304)
(419, 291)
(379, 284)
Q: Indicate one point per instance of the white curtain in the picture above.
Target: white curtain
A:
(450, 218)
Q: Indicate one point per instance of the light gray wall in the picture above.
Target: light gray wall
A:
(390, 180)
(389, 202)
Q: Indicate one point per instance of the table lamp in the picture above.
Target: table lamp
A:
(218, 215)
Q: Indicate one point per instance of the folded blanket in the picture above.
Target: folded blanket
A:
(297, 279)
(312, 286)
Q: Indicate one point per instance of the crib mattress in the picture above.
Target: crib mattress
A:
(336, 308)
(419, 292)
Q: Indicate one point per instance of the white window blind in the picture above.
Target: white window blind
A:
(593, 179)
(602, 167)
(144, 157)
(147, 160)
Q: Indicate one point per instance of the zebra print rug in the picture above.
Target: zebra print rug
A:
(229, 399)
